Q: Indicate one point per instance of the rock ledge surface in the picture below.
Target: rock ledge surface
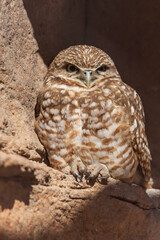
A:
(38, 202)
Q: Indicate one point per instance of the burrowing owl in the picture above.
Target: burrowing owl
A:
(89, 121)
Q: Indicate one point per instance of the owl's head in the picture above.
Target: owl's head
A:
(83, 65)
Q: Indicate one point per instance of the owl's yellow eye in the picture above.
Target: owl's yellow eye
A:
(103, 68)
(71, 68)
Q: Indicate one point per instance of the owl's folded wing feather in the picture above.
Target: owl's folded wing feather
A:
(140, 143)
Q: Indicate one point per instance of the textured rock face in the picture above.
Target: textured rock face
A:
(37, 202)
(21, 74)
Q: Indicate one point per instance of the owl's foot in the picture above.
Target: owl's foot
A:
(78, 169)
(97, 171)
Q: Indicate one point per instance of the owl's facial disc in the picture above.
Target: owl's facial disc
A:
(90, 76)
(86, 76)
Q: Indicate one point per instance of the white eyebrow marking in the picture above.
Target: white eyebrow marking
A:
(76, 89)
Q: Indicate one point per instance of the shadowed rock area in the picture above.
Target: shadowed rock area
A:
(36, 201)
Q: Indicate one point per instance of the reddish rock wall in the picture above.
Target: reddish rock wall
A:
(21, 75)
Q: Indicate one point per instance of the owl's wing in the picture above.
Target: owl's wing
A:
(137, 129)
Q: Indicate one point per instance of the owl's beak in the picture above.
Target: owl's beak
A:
(88, 77)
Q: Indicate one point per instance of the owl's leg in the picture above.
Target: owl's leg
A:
(97, 171)
(77, 169)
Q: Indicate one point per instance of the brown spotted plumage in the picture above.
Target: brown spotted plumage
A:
(89, 121)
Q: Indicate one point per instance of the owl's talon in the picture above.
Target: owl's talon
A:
(77, 176)
(78, 169)
(103, 179)
(82, 173)
(97, 171)
(87, 176)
